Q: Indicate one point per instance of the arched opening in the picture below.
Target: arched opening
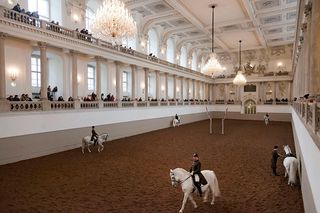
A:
(194, 60)
(250, 107)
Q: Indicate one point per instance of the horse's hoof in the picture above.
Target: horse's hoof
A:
(180, 211)
(212, 203)
(195, 206)
(205, 200)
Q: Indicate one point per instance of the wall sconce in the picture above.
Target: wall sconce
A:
(10, 2)
(162, 88)
(178, 57)
(162, 50)
(178, 89)
(13, 73)
(13, 77)
(142, 85)
(224, 68)
(79, 79)
(76, 18)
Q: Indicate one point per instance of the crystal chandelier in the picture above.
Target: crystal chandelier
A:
(213, 67)
(240, 79)
(113, 22)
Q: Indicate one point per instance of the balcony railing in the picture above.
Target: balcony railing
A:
(9, 16)
(309, 112)
(21, 106)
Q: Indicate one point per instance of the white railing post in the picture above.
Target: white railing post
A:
(43, 24)
(4, 106)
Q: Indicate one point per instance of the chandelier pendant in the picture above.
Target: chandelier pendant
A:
(240, 79)
(113, 22)
(213, 68)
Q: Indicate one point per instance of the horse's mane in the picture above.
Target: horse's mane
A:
(181, 170)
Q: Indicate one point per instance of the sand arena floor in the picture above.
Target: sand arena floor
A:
(132, 174)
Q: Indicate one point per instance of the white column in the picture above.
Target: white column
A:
(167, 86)
(118, 81)
(225, 92)
(98, 71)
(44, 70)
(188, 88)
(181, 89)
(74, 75)
(289, 91)
(2, 68)
(158, 85)
(133, 81)
(209, 92)
(174, 87)
(274, 92)
(193, 89)
(198, 93)
(146, 83)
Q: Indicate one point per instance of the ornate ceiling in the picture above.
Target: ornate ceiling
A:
(260, 24)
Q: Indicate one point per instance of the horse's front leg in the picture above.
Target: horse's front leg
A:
(205, 198)
(185, 197)
(88, 148)
(192, 201)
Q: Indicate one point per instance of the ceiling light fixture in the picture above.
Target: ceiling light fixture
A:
(240, 79)
(212, 67)
(113, 22)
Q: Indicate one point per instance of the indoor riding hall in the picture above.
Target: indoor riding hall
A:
(114, 105)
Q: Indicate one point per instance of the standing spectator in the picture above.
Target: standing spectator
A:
(275, 156)
(48, 92)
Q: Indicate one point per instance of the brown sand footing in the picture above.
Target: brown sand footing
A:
(132, 174)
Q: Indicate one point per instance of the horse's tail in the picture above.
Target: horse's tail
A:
(216, 191)
(293, 171)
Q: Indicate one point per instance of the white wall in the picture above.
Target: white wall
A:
(310, 158)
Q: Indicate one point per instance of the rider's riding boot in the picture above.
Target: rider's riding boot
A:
(198, 185)
(95, 142)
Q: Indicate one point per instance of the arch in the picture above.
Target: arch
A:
(250, 107)
(153, 42)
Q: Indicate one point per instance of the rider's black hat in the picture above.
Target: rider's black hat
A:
(195, 155)
(275, 147)
(92, 126)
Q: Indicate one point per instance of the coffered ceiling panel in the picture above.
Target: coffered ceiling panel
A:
(248, 40)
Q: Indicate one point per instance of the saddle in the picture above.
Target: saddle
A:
(200, 178)
(290, 155)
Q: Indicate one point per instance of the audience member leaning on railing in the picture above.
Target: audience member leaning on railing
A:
(24, 97)
(84, 35)
(24, 19)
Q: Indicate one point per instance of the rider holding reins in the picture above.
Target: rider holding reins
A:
(196, 170)
(94, 136)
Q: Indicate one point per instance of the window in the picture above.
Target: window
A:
(89, 16)
(125, 81)
(42, 6)
(152, 44)
(91, 77)
(170, 50)
(35, 71)
(184, 57)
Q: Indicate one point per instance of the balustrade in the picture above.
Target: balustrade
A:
(25, 106)
(62, 105)
(89, 105)
(153, 103)
(127, 104)
(142, 104)
(110, 104)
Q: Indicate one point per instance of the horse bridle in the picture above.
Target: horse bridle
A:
(173, 179)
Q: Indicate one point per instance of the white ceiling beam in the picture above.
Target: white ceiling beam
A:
(252, 16)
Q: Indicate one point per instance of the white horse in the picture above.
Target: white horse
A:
(182, 177)
(176, 122)
(87, 142)
(290, 164)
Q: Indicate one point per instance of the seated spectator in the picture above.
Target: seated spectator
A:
(10, 98)
(108, 97)
(93, 96)
(27, 97)
(70, 99)
(140, 99)
(60, 98)
(112, 98)
(102, 96)
(17, 8)
(16, 98)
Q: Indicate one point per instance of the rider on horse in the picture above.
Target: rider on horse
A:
(177, 117)
(94, 136)
(196, 170)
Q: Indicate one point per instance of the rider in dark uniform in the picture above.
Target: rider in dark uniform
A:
(94, 136)
(196, 169)
(275, 156)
